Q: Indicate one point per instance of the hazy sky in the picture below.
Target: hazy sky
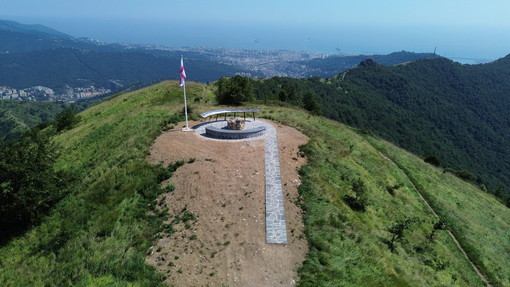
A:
(467, 28)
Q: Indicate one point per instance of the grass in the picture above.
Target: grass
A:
(100, 233)
(477, 219)
(352, 248)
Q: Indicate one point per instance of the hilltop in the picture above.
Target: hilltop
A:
(223, 189)
(364, 219)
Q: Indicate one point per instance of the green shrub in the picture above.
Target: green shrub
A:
(66, 120)
(235, 91)
(433, 160)
(358, 202)
(397, 232)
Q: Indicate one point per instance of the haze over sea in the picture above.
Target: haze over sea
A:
(465, 29)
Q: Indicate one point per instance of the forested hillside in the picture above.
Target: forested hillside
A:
(56, 68)
(32, 55)
(457, 114)
(331, 66)
(18, 117)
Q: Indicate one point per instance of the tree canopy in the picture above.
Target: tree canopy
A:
(235, 91)
(432, 107)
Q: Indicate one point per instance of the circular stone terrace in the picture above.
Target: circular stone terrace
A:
(276, 232)
(253, 130)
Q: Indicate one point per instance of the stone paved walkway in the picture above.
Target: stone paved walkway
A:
(276, 229)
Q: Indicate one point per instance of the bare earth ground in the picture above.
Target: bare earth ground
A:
(220, 204)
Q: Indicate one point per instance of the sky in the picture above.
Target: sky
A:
(457, 29)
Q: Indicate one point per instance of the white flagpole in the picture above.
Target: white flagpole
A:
(186, 129)
(185, 106)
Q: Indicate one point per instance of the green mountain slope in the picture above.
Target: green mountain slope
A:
(458, 113)
(19, 38)
(56, 68)
(350, 248)
(17, 117)
(99, 233)
(40, 30)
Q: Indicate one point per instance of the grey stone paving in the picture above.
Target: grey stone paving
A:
(276, 228)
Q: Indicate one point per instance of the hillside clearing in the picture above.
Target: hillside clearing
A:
(222, 191)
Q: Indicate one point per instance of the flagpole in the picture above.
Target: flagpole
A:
(185, 106)
(186, 129)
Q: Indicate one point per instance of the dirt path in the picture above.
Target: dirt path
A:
(219, 214)
(478, 272)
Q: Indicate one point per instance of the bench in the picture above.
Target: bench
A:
(220, 133)
(230, 111)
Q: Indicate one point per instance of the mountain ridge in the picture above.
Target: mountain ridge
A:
(13, 26)
(433, 107)
(59, 67)
(333, 65)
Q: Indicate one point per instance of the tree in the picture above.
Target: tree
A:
(29, 185)
(433, 160)
(66, 119)
(360, 201)
(397, 232)
(235, 91)
(310, 104)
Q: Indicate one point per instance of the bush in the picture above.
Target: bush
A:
(66, 120)
(433, 160)
(391, 188)
(397, 231)
(360, 201)
(235, 91)
(462, 174)
(310, 104)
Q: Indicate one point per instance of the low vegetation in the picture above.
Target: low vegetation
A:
(364, 220)
(99, 232)
(395, 240)
(479, 221)
(18, 117)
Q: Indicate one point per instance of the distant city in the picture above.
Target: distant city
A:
(259, 63)
(42, 94)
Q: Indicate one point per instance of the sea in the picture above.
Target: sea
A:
(350, 39)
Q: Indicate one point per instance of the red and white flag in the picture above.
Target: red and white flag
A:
(183, 74)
